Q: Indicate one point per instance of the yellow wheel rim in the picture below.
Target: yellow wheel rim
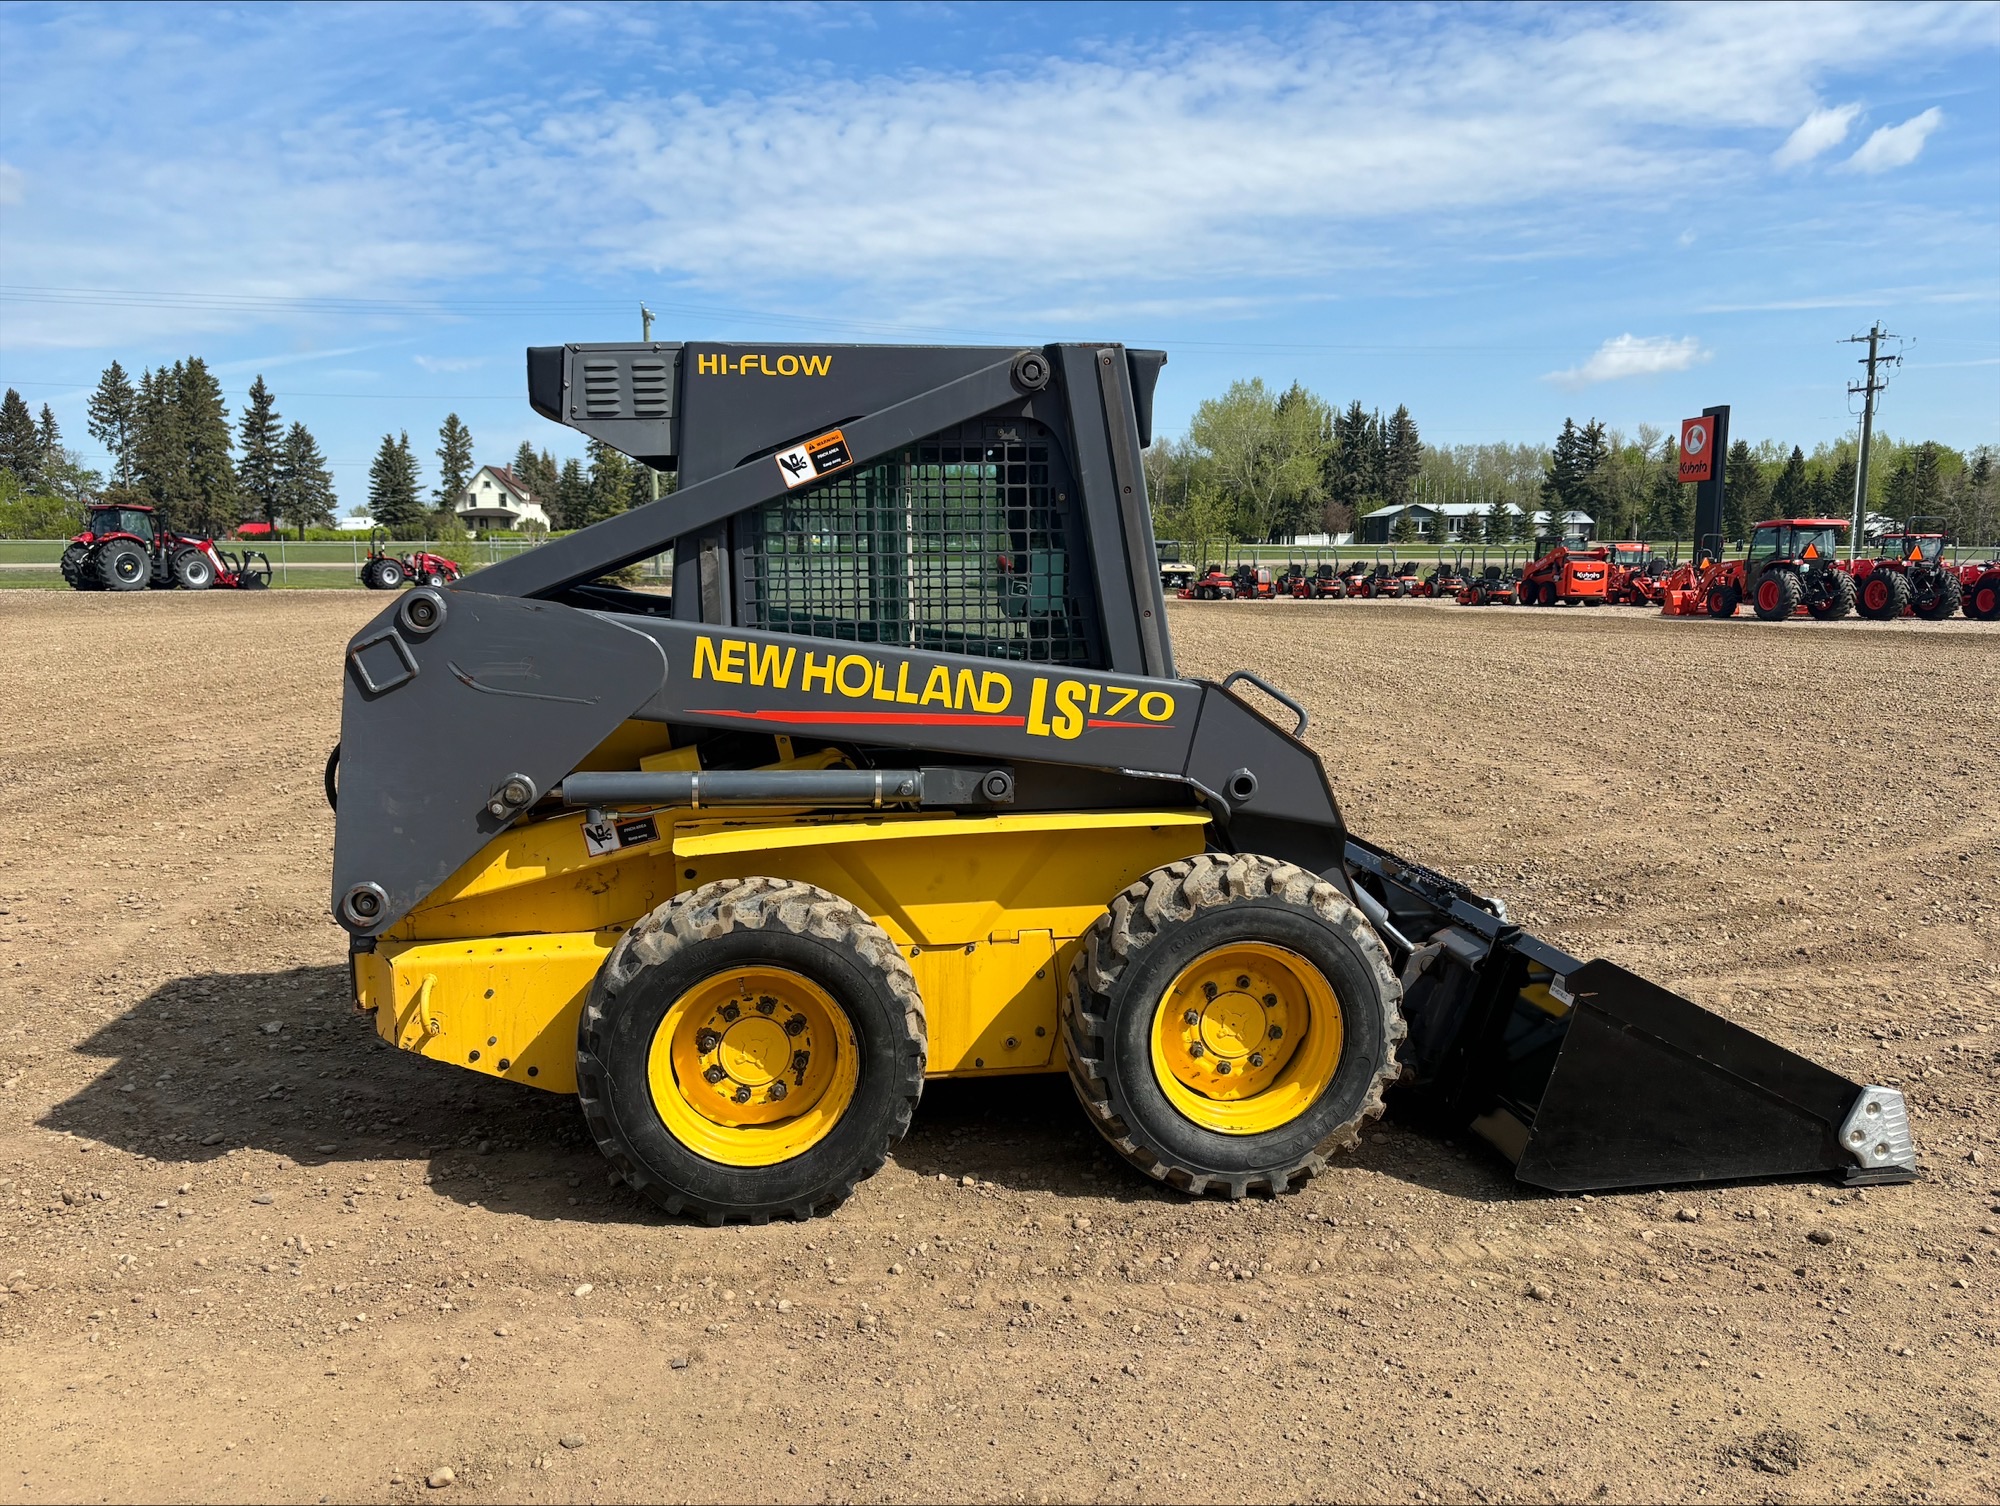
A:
(1246, 1038)
(753, 1066)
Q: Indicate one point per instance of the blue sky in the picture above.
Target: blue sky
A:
(1500, 216)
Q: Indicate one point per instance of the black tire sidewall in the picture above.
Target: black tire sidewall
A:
(622, 1048)
(1128, 1059)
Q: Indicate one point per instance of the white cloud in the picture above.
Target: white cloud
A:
(12, 183)
(1819, 132)
(436, 364)
(1632, 356)
(1896, 146)
(1264, 162)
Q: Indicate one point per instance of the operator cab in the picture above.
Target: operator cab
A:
(1802, 541)
(1911, 548)
(137, 521)
(1633, 556)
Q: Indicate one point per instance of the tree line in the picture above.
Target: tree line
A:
(1265, 466)
(172, 448)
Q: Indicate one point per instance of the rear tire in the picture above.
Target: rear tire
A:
(713, 1140)
(1839, 601)
(1945, 603)
(192, 571)
(1168, 1104)
(1778, 595)
(123, 566)
(1883, 596)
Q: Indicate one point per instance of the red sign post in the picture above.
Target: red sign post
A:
(1698, 448)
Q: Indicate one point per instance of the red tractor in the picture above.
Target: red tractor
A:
(124, 548)
(1792, 565)
(1979, 590)
(1211, 585)
(1908, 573)
(382, 571)
(1638, 575)
(1568, 576)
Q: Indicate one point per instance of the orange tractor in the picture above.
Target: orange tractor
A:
(1909, 573)
(1567, 576)
(1792, 566)
(1638, 575)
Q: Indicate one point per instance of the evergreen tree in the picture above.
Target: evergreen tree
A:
(305, 496)
(263, 440)
(1669, 514)
(571, 497)
(48, 439)
(1916, 486)
(1402, 455)
(211, 477)
(393, 501)
(1791, 494)
(158, 451)
(454, 454)
(20, 448)
(1840, 485)
(609, 490)
(114, 411)
(1404, 530)
(1745, 496)
(1499, 523)
(538, 473)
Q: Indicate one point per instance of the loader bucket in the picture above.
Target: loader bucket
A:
(1649, 1089)
(1587, 1076)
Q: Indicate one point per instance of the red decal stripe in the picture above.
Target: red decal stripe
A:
(872, 718)
(1104, 722)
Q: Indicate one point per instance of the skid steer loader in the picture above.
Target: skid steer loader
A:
(900, 783)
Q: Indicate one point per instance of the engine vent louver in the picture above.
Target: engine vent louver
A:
(652, 391)
(600, 387)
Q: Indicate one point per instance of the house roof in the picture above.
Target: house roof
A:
(1467, 509)
(506, 477)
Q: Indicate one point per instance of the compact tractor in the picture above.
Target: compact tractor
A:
(1792, 565)
(1908, 573)
(1568, 576)
(1979, 590)
(383, 571)
(124, 547)
(1638, 575)
(865, 804)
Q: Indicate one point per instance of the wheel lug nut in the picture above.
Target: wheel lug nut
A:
(715, 1074)
(731, 1010)
(1222, 1068)
(707, 1041)
(778, 1091)
(1256, 1058)
(1270, 1001)
(1208, 990)
(795, 1025)
(1277, 1032)
(742, 1095)
(1192, 1017)
(1242, 981)
(1196, 1049)
(767, 1005)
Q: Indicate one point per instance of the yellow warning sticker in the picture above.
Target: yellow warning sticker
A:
(815, 458)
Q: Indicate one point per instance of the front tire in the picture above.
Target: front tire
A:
(1229, 1019)
(1723, 601)
(192, 571)
(752, 1047)
(1839, 599)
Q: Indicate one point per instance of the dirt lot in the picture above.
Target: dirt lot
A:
(251, 1254)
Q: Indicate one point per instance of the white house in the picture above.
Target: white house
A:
(1445, 522)
(497, 498)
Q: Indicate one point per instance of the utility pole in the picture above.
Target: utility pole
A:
(1875, 336)
(646, 334)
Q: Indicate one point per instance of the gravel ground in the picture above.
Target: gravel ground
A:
(251, 1254)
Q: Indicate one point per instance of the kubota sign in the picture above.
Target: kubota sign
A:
(1698, 448)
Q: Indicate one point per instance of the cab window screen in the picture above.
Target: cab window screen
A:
(959, 545)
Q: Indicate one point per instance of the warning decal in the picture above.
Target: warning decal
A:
(600, 837)
(815, 458)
